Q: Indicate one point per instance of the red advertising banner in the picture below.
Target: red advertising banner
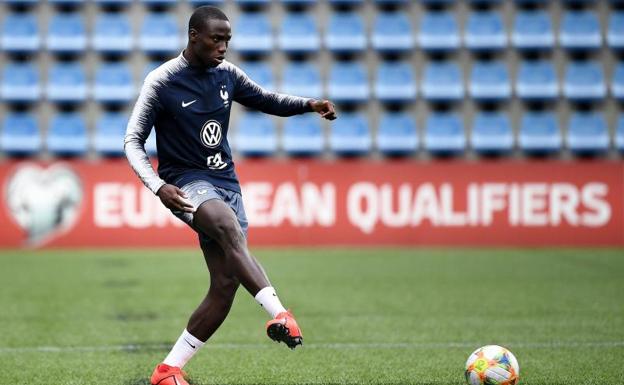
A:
(316, 202)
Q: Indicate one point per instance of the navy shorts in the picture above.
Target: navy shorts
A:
(200, 191)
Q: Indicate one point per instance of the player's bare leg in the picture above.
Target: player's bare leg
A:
(204, 321)
(217, 220)
(212, 311)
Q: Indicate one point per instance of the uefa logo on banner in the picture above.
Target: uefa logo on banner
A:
(43, 201)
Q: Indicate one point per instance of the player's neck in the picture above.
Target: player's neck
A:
(192, 60)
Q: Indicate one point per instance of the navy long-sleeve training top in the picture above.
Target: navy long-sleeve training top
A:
(189, 107)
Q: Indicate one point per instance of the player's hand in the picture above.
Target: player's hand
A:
(174, 199)
(324, 107)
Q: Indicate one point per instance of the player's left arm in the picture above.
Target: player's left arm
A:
(250, 94)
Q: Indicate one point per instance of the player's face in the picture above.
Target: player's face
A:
(210, 45)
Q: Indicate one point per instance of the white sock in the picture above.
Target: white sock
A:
(186, 346)
(267, 298)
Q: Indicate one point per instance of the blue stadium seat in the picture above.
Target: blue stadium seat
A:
(113, 2)
(303, 135)
(346, 2)
(67, 135)
(489, 80)
(615, 32)
(537, 80)
(392, 32)
(539, 133)
(619, 134)
(442, 81)
(302, 79)
(533, 30)
(110, 130)
(20, 33)
(20, 134)
(298, 2)
(113, 83)
(20, 83)
(395, 82)
(617, 84)
(158, 2)
(253, 33)
(444, 134)
(66, 33)
(584, 80)
(21, 2)
(439, 31)
(67, 83)
(112, 33)
(588, 133)
(391, 2)
(256, 135)
(252, 2)
(485, 30)
(350, 135)
(205, 2)
(492, 133)
(437, 2)
(345, 32)
(67, 2)
(580, 30)
(299, 33)
(397, 134)
(348, 82)
(261, 73)
(159, 34)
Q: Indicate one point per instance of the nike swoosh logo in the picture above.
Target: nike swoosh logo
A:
(190, 344)
(186, 104)
(202, 192)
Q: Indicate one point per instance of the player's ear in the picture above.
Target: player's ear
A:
(193, 35)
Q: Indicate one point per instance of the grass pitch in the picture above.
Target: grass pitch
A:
(368, 316)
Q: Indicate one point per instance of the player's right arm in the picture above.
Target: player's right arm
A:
(138, 129)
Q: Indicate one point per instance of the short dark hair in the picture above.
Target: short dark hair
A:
(203, 14)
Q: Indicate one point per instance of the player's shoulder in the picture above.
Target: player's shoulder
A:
(231, 68)
(165, 72)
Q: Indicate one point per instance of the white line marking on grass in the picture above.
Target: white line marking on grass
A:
(336, 345)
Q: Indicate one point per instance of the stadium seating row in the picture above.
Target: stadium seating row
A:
(242, 2)
(297, 2)
(397, 134)
(394, 82)
(298, 32)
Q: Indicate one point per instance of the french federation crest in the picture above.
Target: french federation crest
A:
(210, 134)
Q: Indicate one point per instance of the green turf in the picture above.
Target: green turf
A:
(368, 316)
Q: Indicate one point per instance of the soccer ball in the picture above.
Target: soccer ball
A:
(492, 365)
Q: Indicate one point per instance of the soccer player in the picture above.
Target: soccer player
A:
(188, 101)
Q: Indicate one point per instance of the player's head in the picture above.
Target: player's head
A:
(209, 34)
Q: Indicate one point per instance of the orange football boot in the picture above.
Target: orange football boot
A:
(284, 328)
(168, 375)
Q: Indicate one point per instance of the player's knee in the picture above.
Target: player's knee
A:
(228, 232)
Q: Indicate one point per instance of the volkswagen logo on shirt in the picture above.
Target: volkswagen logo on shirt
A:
(211, 134)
